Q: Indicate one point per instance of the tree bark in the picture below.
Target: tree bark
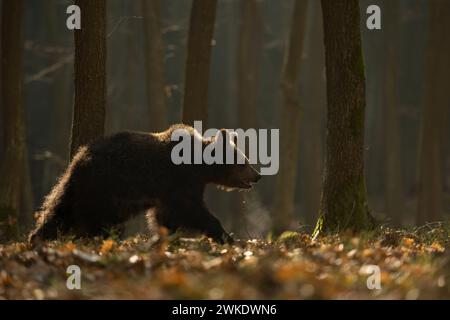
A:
(13, 158)
(248, 66)
(90, 74)
(61, 88)
(128, 112)
(249, 62)
(154, 63)
(291, 116)
(393, 174)
(430, 204)
(344, 196)
(313, 119)
(201, 31)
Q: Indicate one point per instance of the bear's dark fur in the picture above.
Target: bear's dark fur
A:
(117, 177)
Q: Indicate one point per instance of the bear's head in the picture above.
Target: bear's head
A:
(230, 168)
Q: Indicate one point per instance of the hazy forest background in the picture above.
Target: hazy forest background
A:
(373, 103)
(403, 124)
(244, 91)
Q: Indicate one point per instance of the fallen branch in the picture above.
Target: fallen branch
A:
(54, 67)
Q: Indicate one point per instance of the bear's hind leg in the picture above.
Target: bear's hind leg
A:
(47, 228)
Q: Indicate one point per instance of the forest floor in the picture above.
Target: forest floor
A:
(412, 265)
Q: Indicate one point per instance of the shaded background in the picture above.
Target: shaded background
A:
(48, 95)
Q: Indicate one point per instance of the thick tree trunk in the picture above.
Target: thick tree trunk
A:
(201, 31)
(393, 177)
(13, 159)
(344, 196)
(154, 63)
(90, 74)
(282, 211)
(430, 206)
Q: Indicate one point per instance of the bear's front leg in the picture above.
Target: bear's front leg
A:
(192, 216)
(212, 227)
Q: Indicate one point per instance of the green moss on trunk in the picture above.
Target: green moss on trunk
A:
(346, 210)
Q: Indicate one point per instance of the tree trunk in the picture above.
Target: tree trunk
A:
(430, 206)
(312, 120)
(344, 196)
(249, 62)
(154, 63)
(201, 31)
(61, 87)
(248, 66)
(393, 177)
(13, 158)
(290, 128)
(90, 74)
(128, 112)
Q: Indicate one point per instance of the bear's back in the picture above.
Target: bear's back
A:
(129, 154)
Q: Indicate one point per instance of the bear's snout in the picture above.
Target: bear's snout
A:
(251, 177)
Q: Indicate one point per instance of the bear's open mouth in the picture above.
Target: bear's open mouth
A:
(225, 188)
(243, 185)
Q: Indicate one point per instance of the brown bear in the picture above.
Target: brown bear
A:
(116, 177)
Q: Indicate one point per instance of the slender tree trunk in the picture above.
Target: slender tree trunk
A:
(90, 74)
(154, 63)
(231, 85)
(313, 119)
(62, 102)
(291, 116)
(201, 31)
(393, 177)
(13, 158)
(430, 206)
(128, 114)
(248, 66)
(115, 70)
(344, 196)
(61, 88)
(249, 62)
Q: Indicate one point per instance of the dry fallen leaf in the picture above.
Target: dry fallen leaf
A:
(107, 246)
(176, 267)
